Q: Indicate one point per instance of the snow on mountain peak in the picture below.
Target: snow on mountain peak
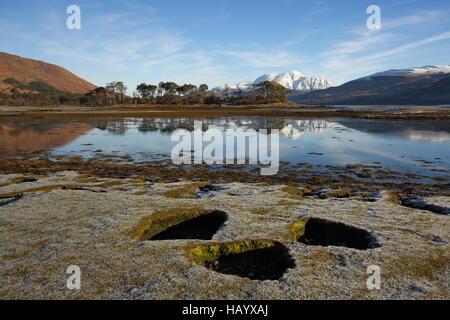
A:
(414, 71)
(293, 80)
(265, 77)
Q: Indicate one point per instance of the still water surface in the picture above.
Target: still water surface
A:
(403, 146)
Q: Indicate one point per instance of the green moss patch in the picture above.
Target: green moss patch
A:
(341, 193)
(296, 192)
(39, 189)
(188, 191)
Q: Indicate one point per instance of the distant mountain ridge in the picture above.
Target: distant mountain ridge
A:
(25, 71)
(411, 86)
(293, 80)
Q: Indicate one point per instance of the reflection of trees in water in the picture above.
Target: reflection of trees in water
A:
(120, 126)
(287, 127)
(117, 128)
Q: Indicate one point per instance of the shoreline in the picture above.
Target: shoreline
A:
(392, 113)
(361, 180)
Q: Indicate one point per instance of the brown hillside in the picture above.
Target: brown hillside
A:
(27, 70)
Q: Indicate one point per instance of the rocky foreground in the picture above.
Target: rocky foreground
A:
(134, 239)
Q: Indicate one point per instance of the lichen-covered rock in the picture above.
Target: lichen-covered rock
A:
(101, 226)
(341, 193)
(296, 192)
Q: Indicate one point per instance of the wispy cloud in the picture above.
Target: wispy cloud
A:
(374, 62)
(318, 7)
(368, 49)
(404, 48)
(265, 58)
(422, 17)
(366, 42)
(117, 40)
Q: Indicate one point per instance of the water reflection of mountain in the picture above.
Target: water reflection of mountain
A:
(290, 128)
(295, 129)
(435, 131)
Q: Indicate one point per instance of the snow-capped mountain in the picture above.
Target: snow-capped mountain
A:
(415, 71)
(293, 80)
(410, 86)
(239, 86)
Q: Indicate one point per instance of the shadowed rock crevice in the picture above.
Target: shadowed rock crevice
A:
(11, 200)
(253, 259)
(321, 232)
(210, 190)
(203, 227)
(422, 205)
(178, 224)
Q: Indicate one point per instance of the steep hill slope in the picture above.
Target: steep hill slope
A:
(27, 70)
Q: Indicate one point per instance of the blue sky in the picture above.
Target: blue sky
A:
(228, 41)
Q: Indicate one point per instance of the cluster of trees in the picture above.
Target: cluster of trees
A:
(114, 93)
(171, 93)
(263, 92)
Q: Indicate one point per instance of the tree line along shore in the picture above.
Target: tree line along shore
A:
(37, 93)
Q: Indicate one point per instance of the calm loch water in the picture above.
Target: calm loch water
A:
(404, 146)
